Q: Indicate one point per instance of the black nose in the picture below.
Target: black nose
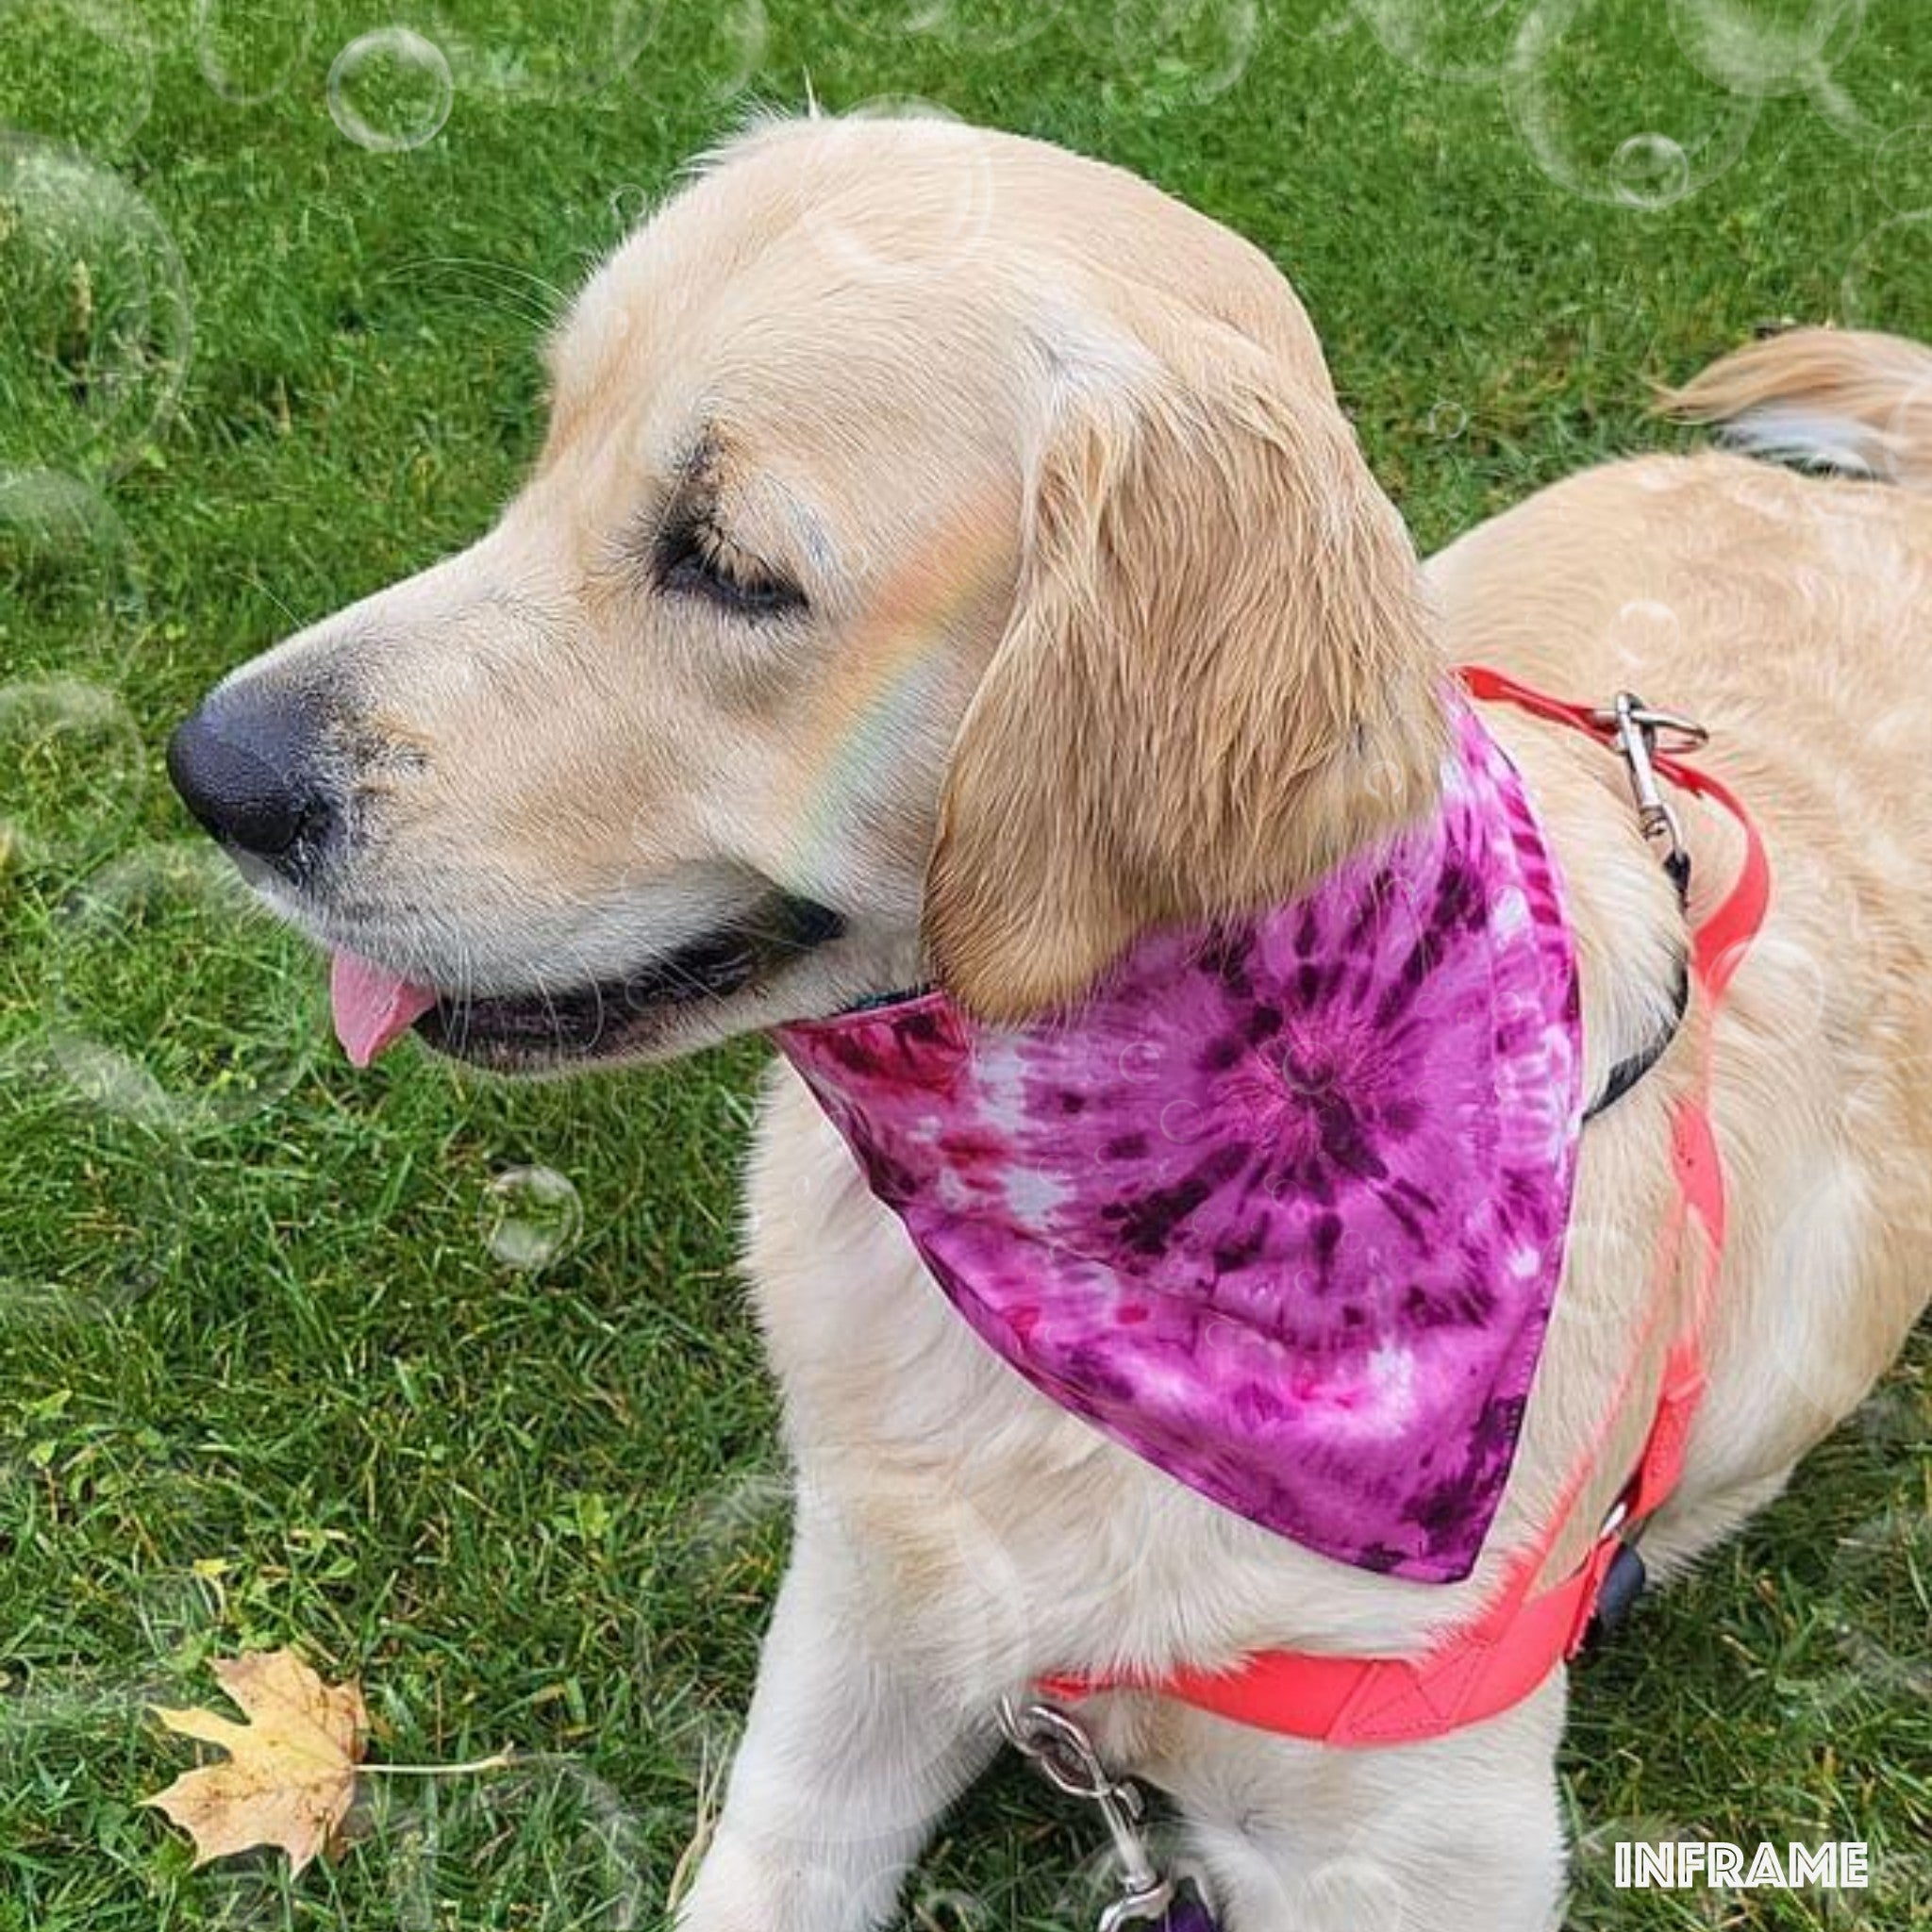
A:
(248, 765)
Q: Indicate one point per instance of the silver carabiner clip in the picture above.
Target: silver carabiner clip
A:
(1634, 728)
(1057, 1746)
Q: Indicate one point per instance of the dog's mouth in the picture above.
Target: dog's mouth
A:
(573, 1026)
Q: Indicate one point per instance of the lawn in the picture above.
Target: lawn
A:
(452, 1384)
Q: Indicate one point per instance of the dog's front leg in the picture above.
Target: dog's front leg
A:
(851, 1752)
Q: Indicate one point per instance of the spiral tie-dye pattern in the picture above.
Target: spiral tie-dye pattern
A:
(1281, 1204)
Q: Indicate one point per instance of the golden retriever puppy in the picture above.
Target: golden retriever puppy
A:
(948, 563)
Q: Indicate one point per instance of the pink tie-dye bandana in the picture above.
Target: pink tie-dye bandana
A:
(1280, 1205)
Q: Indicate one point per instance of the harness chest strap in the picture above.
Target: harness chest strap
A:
(1497, 1659)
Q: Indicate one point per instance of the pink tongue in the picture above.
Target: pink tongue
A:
(371, 1007)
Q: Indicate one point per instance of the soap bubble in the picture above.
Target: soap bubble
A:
(1450, 39)
(71, 770)
(97, 326)
(714, 1570)
(1650, 171)
(729, 1553)
(390, 90)
(1897, 1416)
(174, 998)
(531, 1217)
(81, 72)
(1090, 1884)
(72, 600)
(1887, 281)
(1902, 169)
(1746, 46)
(95, 1207)
(745, 32)
(1646, 638)
(630, 205)
(558, 1849)
(1593, 1867)
(946, 1908)
(248, 50)
(1312, 19)
(1875, 1620)
(511, 47)
(952, 227)
(1447, 420)
(1564, 95)
(1178, 52)
(978, 26)
(1855, 82)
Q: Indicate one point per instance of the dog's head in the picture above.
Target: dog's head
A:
(946, 558)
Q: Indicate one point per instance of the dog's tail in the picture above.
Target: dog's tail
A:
(1848, 400)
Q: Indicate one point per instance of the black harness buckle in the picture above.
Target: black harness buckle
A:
(1624, 1583)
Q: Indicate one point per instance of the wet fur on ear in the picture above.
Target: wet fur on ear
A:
(1218, 680)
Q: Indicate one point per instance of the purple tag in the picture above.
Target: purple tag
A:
(1189, 1912)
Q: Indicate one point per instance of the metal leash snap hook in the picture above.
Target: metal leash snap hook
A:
(1059, 1749)
(1634, 729)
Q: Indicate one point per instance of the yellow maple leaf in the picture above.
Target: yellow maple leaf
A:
(290, 1776)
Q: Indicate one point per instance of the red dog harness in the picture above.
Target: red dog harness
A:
(1502, 1655)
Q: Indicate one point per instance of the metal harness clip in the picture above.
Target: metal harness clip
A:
(1059, 1749)
(1634, 729)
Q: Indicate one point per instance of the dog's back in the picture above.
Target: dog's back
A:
(1792, 614)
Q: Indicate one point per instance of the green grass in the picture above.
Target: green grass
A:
(266, 1374)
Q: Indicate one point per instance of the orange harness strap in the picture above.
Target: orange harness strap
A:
(1504, 1654)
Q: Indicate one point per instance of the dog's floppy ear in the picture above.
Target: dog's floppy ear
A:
(1216, 681)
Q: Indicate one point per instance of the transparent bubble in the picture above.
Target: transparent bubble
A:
(955, 225)
(97, 328)
(1185, 52)
(1765, 46)
(728, 1556)
(1594, 1869)
(135, 1591)
(531, 1217)
(71, 770)
(1646, 638)
(248, 50)
(948, 1909)
(1887, 281)
(977, 27)
(1092, 1885)
(1899, 1893)
(713, 1578)
(630, 207)
(1897, 1416)
(528, 49)
(80, 72)
(174, 998)
(1650, 171)
(1312, 19)
(95, 1207)
(1902, 169)
(71, 599)
(1451, 39)
(1871, 1571)
(390, 90)
(1574, 100)
(1353, 1891)
(545, 1838)
(1817, 1216)
(745, 33)
(1447, 420)
(1859, 82)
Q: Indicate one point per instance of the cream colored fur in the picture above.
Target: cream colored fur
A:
(1099, 578)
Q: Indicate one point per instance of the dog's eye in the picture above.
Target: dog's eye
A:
(695, 560)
